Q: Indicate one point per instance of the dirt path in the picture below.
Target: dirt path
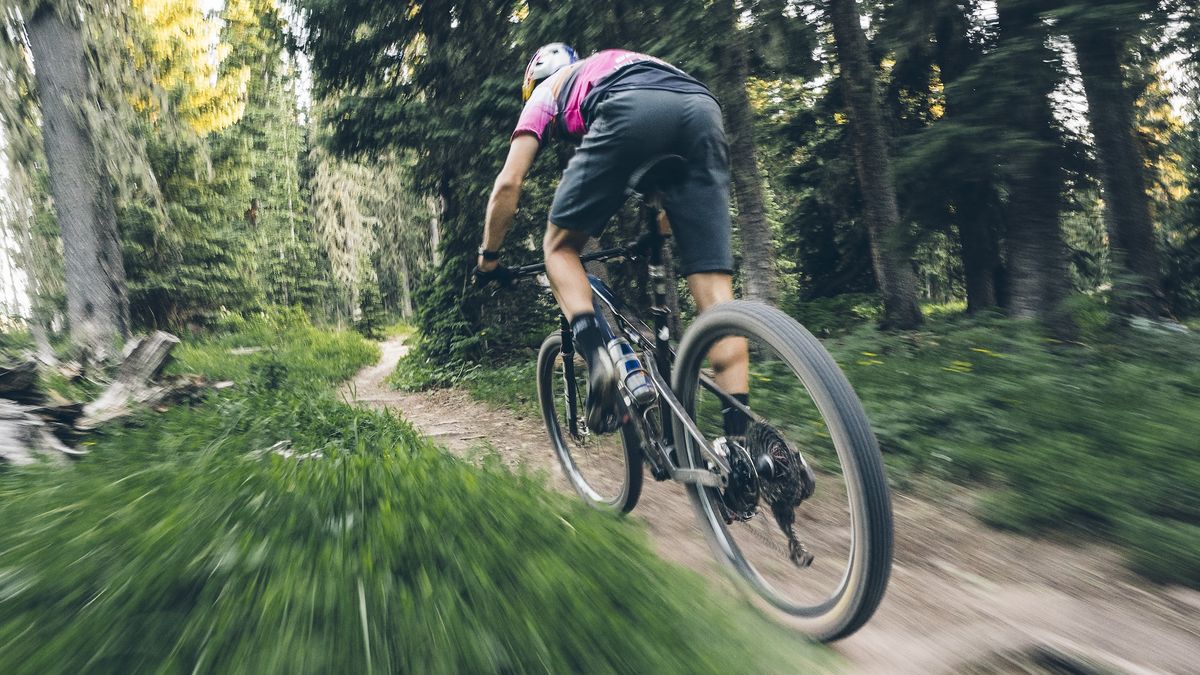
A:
(962, 597)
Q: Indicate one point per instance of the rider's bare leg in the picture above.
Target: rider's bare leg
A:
(730, 358)
(569, 282)
(567, 277)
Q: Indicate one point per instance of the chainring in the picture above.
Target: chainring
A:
(791, 481)
(741, 496)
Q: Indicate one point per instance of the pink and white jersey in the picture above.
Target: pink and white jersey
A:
(545, 105)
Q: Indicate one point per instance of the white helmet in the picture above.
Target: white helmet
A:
(547, 61)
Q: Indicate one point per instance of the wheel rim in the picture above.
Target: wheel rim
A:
(829, 522)
(596, 465)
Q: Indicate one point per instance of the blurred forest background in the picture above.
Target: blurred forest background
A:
(1037, 157)
(990, 208)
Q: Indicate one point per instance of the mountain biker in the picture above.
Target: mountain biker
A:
(621, 108)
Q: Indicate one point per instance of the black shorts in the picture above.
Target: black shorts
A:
(631, 127)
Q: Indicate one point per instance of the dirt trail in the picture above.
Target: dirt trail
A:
(962, 597)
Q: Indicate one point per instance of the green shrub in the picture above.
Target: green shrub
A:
(837, 315)
(1074, 437)
(514, 384)
(288, 348)
(417, 371)
(1079, 437)
(13, 342)
(180, 545)
(1163, 550)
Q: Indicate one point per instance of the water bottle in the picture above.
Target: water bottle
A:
(636, 381)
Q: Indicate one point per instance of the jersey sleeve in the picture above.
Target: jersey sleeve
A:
(538, 113)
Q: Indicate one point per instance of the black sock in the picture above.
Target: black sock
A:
(588, 330)
(736, 421)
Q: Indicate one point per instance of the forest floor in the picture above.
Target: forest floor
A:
(962, 597)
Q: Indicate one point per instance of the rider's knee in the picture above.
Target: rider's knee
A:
(711, 288)
(729, 353)
(559, 241)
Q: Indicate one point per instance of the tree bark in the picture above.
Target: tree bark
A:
(1127, 208)
(437, 206)
(892, 269)
(975, 192)
(758, 247)
(981, 258)
(1037, 255)
(24, 437)
(406, 301)
(97, 307)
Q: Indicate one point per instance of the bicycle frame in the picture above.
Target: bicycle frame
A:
(658, 447)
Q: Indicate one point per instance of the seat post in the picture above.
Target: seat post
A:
(658, 283)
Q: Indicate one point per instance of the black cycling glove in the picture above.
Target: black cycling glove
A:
(501, 275)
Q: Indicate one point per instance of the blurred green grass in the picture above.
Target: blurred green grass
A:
(1092, 439)
(180, 545)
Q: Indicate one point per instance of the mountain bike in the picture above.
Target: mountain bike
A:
(798, 508)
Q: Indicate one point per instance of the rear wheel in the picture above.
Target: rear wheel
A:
(806, 521)
(606, 470)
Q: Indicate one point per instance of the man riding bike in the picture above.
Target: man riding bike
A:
(621, 108)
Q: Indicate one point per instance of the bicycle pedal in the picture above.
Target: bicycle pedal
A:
(659, 474)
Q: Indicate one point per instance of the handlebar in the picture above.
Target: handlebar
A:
(630, 249)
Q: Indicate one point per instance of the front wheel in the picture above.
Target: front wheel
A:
(806, 520)
(606, 470)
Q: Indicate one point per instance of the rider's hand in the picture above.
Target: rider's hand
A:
(481, 276)
(482, 265)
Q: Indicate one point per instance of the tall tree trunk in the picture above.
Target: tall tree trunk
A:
(980, 255)
(892, 269)
(1037, 255)
(758, 248)
(406, 301)
(437, 206)
(97, 307)
(976, 195)
(1127, 209)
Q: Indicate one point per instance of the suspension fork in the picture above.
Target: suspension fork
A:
(568, 357)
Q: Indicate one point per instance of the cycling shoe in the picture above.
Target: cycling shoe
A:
(601, 407)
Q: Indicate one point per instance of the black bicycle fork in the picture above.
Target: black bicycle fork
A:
(653, 248)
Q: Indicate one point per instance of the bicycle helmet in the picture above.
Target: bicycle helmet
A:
(547, 61)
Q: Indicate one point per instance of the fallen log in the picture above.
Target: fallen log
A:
(24, 437)
(19, 381)
(132, 386)
(34, 423)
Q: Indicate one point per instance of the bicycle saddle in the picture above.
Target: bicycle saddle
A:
(656, 175)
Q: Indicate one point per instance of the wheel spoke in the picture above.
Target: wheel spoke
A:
(598, 466)
(806, 518)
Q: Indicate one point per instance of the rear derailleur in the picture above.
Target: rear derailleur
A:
(764, 467)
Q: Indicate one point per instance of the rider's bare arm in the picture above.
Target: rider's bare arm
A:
(502, 205)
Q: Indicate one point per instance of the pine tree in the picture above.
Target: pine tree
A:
(892, 268)
(949, 179)
(1021, 105)
(1103, 34)
(184, 258)
(97, 305)
(758, 246)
